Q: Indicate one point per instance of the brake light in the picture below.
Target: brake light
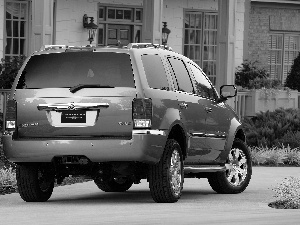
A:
(11, 115)
(142, 112)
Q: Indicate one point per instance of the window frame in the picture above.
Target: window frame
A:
(283, 74)
(103, 22)
(202, 61)
(27, 29)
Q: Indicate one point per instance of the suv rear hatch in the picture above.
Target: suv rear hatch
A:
(76, 94)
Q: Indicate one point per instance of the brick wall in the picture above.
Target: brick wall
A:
(173, 14)
(1, 27)
(69, 29)
(265, 19)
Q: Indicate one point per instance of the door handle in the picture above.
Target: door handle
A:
(183, 105)
(208, 110)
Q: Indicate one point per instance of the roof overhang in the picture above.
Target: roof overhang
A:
(279, 1)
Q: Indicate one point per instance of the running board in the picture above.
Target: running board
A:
(203, 169)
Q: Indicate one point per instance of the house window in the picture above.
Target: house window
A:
(16, 33)
(200, 40)
(283, 49)
(119, 24)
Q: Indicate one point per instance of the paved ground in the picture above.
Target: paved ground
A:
(85, 204)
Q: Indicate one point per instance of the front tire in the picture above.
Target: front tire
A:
(35, 182)
(238, 171)
(166, 177)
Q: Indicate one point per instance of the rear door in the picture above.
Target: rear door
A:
(76, 95)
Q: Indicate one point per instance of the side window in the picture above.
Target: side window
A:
(181, 74)
(155, 72)
(203, 86)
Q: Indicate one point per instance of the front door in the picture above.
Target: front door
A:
(192, 113)
(119, 33)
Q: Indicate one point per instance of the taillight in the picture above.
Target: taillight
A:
(11, 115)
(142, 112)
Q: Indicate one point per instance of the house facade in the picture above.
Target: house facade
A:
(217, 34)
(274, 35)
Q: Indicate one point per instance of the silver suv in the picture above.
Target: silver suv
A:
(119, 115)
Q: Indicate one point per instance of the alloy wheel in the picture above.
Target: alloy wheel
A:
(236, 167)
(175, 172)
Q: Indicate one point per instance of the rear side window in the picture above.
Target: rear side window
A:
(155, 72)
(69, 69)
(181, 74)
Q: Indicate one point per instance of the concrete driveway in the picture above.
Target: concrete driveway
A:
(85, 204)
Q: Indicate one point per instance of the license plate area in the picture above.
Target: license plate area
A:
(73, 116)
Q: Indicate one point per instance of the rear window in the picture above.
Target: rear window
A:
(58, 70)
(155, 72)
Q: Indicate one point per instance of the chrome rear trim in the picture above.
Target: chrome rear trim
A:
(71, 106)
(153, 132)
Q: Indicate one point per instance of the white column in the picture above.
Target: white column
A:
(226, 42)
(42, 23)
(2, 16)
(152, 17)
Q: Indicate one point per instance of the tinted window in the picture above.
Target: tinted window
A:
(181, 74)
(203, 86)
(73, 68)
(155, 72)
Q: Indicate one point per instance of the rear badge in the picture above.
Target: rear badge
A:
(124, 123)
(29, 124)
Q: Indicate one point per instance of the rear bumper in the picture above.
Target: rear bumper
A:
(145, 146)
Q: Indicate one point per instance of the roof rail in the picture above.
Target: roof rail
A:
(139, 45)
(66, 47)
(147, 45)
(52, 47)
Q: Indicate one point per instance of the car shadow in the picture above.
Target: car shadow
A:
(128, 197)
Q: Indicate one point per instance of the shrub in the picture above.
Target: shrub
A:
(293, 78)
(4, 162)
(291, 139)
(292, 156)
(275, 156)
(9, 68)
(8, 182)
(258, 155)
(247, 72)
(270, 129)
(249, 76)
(288, 193)
(268, 156)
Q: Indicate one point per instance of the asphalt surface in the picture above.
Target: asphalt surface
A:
(84, 203)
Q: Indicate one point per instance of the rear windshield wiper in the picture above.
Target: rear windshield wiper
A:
(81, 86)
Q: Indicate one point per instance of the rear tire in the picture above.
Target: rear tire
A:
(114, 184)
(238, 173)
(35, 182)
(166, 177)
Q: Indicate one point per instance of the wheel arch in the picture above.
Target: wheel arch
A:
(235, 131)
(178, 133)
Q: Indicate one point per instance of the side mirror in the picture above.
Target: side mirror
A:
(227, 91)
